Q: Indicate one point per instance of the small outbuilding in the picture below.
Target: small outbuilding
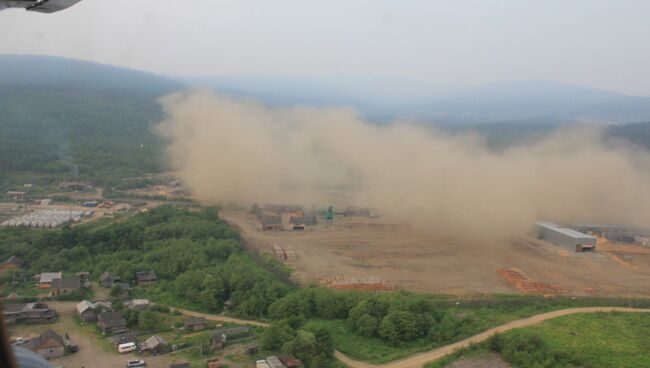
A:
(195, 323)
(155, 345)
(107, 279)
(146, 277)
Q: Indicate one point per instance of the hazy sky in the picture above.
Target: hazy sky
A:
(603, 44)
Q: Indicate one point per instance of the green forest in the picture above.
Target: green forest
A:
(196, 256)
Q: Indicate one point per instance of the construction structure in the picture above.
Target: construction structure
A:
(16, 196)
(620, 233)
(271, 222)
(565, 237)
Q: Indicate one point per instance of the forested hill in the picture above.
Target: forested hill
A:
(67, 117)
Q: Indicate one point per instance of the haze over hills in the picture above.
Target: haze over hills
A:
(523, 101)
(74, 117)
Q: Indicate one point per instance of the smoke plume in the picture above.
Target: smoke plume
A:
(238, 150)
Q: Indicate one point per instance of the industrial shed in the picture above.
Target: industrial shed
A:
(565, 237)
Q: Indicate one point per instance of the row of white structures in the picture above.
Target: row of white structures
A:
(47, 218)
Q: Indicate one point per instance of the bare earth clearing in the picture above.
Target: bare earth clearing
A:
(418, 260)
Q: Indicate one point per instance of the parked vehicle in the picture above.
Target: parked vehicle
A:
(135, 363)
(127, 347)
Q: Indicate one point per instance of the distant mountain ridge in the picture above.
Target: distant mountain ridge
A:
(52, 71)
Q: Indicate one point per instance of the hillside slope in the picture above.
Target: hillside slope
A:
(71, 117)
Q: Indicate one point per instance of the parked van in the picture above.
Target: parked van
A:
(127, 347)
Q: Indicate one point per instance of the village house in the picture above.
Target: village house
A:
(111, 322)
(28, 313)
(195, 324)
(12, 264)
(45, 279)
(49, 345)
(146, 277)
(65, 285)
(107, 279)
(155, 345)
(88, 311)
(223, 335)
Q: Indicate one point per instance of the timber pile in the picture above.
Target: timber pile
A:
(344, 282)
(528, 286)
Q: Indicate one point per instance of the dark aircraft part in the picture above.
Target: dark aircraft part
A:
(41, 6)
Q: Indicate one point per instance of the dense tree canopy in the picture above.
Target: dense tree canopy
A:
(197, 257)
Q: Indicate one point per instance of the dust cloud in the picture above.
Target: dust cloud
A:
(238, 150)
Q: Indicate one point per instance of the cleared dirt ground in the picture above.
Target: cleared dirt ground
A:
(420, 260)
(93, 351)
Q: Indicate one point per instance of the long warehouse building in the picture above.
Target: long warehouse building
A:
(566, 238)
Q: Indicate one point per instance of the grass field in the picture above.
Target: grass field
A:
(600, 340)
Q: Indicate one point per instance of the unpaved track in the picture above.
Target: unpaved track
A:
(419, 360)
(220, 318)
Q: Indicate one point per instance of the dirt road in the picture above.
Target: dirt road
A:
(419, 360)
(219, 318)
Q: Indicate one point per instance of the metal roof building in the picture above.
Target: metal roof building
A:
(565, 237)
